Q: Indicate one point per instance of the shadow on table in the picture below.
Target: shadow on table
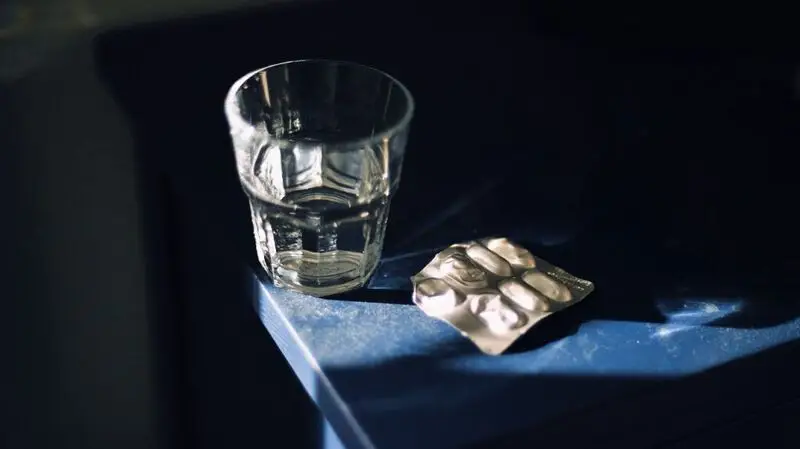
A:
(637, 281)
(722, 302)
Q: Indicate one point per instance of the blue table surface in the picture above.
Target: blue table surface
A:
(387, 376)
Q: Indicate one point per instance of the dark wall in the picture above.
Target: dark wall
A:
(76, 340)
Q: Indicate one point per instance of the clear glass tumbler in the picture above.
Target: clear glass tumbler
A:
(319, 147)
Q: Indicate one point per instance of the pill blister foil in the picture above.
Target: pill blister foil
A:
(493, 291)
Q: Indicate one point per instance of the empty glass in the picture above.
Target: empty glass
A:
(319, 147)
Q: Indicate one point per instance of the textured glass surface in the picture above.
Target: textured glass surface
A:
(319, 147)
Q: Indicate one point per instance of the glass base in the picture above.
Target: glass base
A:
(320, 275)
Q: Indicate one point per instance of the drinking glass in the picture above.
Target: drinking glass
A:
(319, 148)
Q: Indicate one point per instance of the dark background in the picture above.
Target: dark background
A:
(126, 326)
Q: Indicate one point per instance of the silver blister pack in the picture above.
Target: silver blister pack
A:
(493, 291)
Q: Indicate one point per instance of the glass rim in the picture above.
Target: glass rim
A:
(236, 121)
